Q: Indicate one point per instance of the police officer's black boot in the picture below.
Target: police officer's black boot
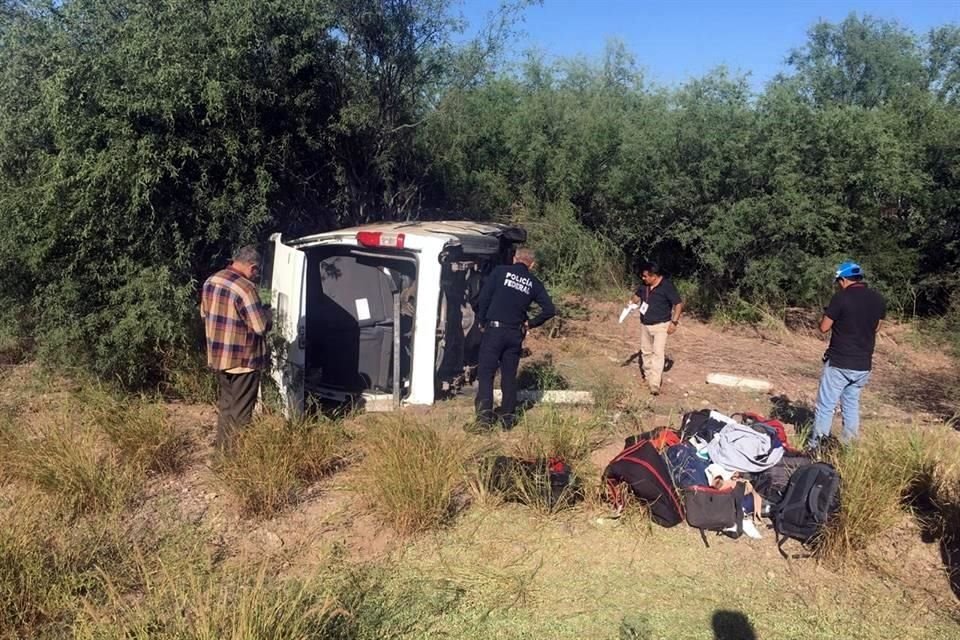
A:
(508, 420)
(485, 419)
(483, 422)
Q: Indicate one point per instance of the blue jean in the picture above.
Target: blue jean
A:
(843, 386)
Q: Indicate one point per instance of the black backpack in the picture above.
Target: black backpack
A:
(772, 483)
(710, 509)
(811, 499)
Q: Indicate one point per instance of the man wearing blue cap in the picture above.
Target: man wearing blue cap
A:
(853, 318)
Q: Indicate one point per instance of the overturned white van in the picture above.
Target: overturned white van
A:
(348, 302)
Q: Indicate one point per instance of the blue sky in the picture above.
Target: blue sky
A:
(674, 41)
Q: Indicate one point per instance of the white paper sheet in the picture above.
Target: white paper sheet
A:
(363, 309)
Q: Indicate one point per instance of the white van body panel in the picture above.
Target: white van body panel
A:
(422, 387)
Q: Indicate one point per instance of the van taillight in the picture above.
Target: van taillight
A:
(380, 239)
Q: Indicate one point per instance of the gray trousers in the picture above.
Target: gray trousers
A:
(238, 397)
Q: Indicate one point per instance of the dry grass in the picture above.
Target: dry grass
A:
(8, 439)
(878, 476)
(50, 566)
(544, 434)
(273, 460)
(73, 464)
(83, 571)
(609, 394)
(235, 606)
(480, 486)
(532, 487)
(90, 448)
(552, 433)
(207, 602)
(140, 430)
(411, 473)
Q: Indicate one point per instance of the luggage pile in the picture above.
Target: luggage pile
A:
(726, 474)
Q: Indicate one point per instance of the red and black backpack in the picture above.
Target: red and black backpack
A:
(641, 467)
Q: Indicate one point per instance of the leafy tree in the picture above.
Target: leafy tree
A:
(141, 141)
(861, 61)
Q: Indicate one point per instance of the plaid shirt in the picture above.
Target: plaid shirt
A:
(235, 322)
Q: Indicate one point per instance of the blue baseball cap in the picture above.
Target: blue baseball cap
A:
(849, 270)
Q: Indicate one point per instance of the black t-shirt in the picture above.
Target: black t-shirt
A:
(660, 300)
(855, 312)
(507, 294)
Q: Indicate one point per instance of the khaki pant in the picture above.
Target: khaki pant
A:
(653, 346)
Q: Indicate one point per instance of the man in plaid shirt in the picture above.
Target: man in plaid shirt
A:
(236, 323)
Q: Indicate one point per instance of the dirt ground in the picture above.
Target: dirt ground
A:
(581, 575)
(908, 384)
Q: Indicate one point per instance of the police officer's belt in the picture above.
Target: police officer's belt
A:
(496, 324)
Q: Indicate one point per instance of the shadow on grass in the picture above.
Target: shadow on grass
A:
(798, 414)
(727, 625)
(732, 625)
(936, 507)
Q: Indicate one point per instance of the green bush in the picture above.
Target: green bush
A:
(126, 177)
(571, 258)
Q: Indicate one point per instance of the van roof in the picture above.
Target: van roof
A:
(474, 237)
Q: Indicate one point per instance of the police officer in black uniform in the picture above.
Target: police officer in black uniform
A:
(504, 300)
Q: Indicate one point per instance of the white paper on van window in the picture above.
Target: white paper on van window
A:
(363, 309)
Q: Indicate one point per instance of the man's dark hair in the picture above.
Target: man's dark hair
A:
(651, 267)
